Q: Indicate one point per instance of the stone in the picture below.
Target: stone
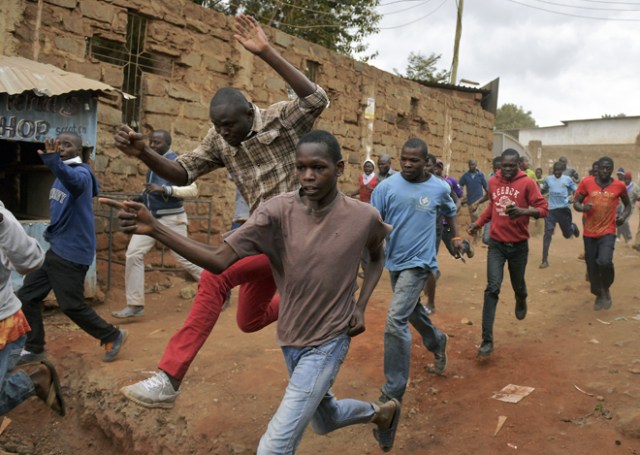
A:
(161, 105)
(183, 93)
(71, 4)
(75, 47)
(98, 10)
(109, 115)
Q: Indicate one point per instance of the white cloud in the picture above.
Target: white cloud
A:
(556, 66)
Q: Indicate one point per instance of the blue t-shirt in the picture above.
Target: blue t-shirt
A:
(412, 210)
(559, 190)
(475, 183)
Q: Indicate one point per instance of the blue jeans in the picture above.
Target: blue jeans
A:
(308, 398)
(14, 387)
(515, 255)
(406, 308)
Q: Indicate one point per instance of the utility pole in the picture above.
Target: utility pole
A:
(456, 45)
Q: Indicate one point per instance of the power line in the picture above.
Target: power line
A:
(415, 20)
(423, 2)
(592, 8)
(398, 1)
(575, 15)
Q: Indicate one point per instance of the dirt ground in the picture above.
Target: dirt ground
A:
(583, 364)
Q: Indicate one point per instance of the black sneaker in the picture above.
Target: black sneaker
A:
(112, 348)
(468, 249)
(521, 308)
(486, 348)
(576, 231)
(599, 303)
(29, 358)
(606, 299)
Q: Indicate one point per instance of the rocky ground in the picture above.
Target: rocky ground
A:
(584, 366)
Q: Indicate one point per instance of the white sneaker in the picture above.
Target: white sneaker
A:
(153, 392)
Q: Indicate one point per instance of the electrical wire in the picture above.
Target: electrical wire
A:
(423, 2)
(591, 8)
(415, 20)
(575, 15)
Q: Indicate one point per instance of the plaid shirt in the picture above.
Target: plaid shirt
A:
(263, 165)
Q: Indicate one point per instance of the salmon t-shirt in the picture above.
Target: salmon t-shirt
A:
(314, 256)
(601, 219)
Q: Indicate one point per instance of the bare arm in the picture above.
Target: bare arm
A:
(578, 205)
(372, 273)
(135, 218)
(253, 38)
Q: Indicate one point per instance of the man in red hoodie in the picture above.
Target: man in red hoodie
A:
(513, 199)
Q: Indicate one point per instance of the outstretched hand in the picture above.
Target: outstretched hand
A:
(129, 141)
(250, 34)
(134, 217)
(50, 146)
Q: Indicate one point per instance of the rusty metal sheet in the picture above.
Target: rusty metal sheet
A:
(18, 75)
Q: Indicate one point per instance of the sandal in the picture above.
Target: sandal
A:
(386, 437)
(54, 397)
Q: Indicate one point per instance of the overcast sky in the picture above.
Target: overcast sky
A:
(559, 67)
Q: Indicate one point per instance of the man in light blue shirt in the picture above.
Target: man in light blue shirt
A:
(560, 188)
(409, 201)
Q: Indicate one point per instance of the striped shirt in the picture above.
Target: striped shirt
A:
(263, 165)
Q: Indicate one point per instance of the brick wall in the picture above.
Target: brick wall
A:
(205, 57)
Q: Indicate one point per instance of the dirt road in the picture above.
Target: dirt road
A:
(584, 366)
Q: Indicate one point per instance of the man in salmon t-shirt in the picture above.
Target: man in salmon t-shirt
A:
(600, 223)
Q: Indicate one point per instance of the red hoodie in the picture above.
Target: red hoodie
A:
(522, 191)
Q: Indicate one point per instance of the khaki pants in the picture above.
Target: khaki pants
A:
(139, 246)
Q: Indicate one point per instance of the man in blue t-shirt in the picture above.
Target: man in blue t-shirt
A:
(560, 188)
(410, 201)
(475, 183)
(72, 237)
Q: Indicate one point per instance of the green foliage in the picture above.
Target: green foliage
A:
(336, 25)
(512, 117)
(423, 68)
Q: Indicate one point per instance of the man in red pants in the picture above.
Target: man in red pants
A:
(257, 146)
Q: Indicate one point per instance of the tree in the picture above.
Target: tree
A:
(336, 25)
(423, 68)
(512, 117)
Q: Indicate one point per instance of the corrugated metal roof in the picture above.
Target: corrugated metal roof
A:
(19, 75)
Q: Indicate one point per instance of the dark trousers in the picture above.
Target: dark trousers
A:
(561, 216)
(515, 255)
(598, 254)
(66, 278)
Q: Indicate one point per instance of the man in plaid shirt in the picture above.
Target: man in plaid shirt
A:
(257, 146)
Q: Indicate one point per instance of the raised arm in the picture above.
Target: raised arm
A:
(136, 219)
(253, 38)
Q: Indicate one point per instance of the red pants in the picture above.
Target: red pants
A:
(257, 308)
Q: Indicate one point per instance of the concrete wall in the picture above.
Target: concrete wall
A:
(206, 57)
(584, 141)
(615, 131)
